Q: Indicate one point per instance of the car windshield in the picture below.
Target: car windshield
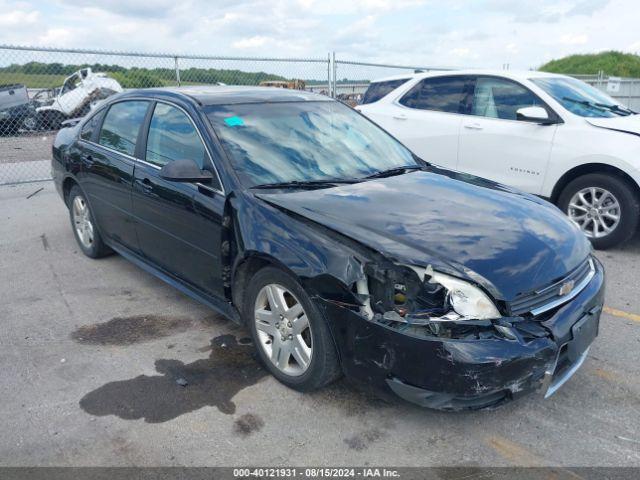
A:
(580, 98)
(304, 141)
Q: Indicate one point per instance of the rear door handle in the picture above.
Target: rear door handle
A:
(473, 126)
(145, 185)
(400, 116)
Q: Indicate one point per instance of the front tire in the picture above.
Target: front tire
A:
(605, 207)
(291, 336)
(84, 225)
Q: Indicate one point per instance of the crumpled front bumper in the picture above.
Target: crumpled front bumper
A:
(457, 374)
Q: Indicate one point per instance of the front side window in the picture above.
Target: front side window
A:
(377, 90)
(440, 94)
(303, 141)
(121, 126)
(499, 98)
(172, 136)
(580, 98)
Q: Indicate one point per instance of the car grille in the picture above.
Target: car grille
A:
(550, 297)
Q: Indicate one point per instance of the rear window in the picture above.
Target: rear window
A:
(378, 90)
(441, 94)
(121, 126)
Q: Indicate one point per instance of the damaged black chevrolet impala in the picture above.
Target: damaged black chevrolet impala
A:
(339, 250)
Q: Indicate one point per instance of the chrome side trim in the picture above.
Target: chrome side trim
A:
(576, 290)
(557, 383)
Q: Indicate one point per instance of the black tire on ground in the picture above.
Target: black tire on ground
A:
(324, 366)
(624, 193)
(97, 248)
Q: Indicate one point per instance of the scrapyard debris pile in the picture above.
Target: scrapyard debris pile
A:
(47, 109)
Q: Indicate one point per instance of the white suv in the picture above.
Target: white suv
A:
(550, 135)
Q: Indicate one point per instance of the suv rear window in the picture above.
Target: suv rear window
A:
(378, 90)
(441, 94)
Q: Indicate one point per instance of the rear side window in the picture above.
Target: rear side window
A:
(121, 126)
(88, 128)
(378, 90)
(500, 98)
(441, 94)
(172, 136)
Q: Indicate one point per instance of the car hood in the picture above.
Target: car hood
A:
(629, 124)
(508, 242)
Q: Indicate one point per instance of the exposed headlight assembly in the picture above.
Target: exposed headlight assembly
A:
(422, 296)
(467, 300)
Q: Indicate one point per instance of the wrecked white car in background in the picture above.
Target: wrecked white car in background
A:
(77, 96)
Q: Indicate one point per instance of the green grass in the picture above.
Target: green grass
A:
(612, 63)
(32, 80)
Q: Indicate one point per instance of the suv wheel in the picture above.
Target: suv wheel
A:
(83, 225)
(605, 207)
(291, 335)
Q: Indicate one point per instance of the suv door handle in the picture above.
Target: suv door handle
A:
(87, 159)
(473, 126)
(400, 116)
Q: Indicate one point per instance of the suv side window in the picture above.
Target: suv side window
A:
(501, 98)
(172, 136)
(121, 126)
(441, 94)
(377, 90)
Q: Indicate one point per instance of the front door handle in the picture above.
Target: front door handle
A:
(400, 116)
(473, 126)
(87, 160)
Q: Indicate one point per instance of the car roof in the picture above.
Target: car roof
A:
(226, 95)
(513, 74)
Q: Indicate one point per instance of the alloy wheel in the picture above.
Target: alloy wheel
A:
(283, 329)
(595, 210)
(82, 221)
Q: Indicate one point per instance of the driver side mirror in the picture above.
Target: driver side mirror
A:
(185, 171)
(534, 114)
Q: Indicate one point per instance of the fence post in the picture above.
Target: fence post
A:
(177, 70)
(329, 74)
(335, 73)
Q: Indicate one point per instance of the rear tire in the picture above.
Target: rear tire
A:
(84, 225)
(291, 336)
(618, 198)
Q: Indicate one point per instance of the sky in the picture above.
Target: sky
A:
(482, 34)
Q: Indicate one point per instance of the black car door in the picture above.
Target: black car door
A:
(106, 148)
(178, 223)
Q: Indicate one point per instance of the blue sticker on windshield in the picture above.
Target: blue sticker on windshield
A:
(234, 121)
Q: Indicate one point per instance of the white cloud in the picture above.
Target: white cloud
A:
(251, 42)
(56, 36)
(18, 17)
(461, 52)
(574, 39)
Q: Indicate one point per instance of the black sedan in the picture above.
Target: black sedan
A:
(339, 250)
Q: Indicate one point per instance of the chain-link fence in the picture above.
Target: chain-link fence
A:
(41, 88)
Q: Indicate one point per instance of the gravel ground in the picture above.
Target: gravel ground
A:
(102, 364)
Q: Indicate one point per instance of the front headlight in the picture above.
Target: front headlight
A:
(467, 300)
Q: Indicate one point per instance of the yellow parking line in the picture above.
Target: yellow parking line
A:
(514, 453)
(622, 314)
(521, 456)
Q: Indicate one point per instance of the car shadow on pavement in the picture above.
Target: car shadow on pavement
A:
(180, 388)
